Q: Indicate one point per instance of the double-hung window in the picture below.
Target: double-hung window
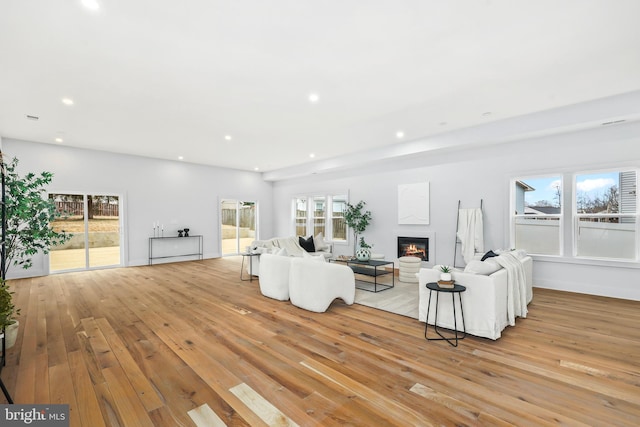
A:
(537, 214)
(603, 215)
(314, 214)
(606, 215)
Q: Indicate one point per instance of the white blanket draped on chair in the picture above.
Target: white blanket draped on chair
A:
(516, 286)
(470, 232)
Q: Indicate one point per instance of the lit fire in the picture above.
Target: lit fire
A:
(412, 249)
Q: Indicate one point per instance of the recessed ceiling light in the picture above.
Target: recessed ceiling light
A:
(227, 137)
(313, 98)
(312, 155)
(67, 101)
(91, 4)
(180, 158)
(256, 168)
(399, 134)
(59, 140)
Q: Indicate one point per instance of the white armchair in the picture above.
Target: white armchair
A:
(313, 284)
(274, 276)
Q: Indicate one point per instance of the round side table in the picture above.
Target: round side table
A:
(457, 289)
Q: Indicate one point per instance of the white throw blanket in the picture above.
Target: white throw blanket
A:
(291, 244)
(470, 232)
(516, 286)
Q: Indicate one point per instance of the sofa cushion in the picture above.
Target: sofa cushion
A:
(319, 258)
(280, 252)
(319, 242)
(480, 267)
(307, 244)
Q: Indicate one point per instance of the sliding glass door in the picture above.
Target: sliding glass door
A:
(94, 222)
(238, 221)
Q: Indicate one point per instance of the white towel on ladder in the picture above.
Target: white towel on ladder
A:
(470, 232)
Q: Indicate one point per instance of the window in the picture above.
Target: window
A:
(312, 216)
(319, 215)
(338, 224)
(537, 219)
(605, 215)
(300, 215)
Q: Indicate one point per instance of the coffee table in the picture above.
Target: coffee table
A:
(373, 269)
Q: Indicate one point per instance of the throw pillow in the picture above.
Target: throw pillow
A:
(488, 255)
(479, 267)
(307, 244)
(319, 242)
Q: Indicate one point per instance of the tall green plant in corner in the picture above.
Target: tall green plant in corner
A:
(28, 217)
(357, 220)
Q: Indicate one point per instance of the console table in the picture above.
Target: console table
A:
(173, 247)
(371, 268)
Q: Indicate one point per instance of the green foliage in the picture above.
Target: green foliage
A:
(28, 215)
(7, 308)
(445, 269)
(364, 245)
(356, 219)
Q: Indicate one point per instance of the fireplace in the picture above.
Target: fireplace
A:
(414, 246)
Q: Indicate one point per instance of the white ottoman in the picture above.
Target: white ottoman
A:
(409, 266)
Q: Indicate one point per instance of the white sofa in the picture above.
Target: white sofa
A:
(289, 244)
(484, 302)
(310, 283)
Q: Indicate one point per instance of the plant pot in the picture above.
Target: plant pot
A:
(10, 334)
(363, 254)
(445, 277)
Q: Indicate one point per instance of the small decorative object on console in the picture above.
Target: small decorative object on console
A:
(180, 233)
(186, 232)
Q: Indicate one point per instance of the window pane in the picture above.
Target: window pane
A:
(606, 237)
(612, 192)
(339, 205)
(538, 235)
(301, 216)
(318, 215)
(538, 196)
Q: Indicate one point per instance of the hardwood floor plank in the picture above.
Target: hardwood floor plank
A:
(125, 398)
(203, 416)
(89, 409)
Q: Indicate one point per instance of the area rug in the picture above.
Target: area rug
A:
(401, 299)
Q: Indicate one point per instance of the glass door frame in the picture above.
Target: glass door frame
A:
(121, 237)
(237, 201)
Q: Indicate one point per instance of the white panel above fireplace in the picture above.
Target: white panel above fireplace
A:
(413, 203)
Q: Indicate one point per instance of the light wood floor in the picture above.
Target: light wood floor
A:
(190, 344)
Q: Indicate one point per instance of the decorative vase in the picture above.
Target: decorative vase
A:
(445, 277)
(363, 254)
(11, 334)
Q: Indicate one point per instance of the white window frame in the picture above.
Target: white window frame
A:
(575, 216)
(514, 216)
(328, 212)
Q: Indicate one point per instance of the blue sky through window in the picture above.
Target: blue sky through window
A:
(592, 185)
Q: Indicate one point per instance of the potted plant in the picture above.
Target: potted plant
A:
(28, 217)
(8, 310)
(357, 220)
(364, 253)
(445, 274)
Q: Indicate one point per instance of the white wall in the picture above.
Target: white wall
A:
(473, 174)
(178, 194)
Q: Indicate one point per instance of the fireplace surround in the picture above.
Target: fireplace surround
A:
(414, 246)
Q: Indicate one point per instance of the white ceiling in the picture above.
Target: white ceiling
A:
(168, 78)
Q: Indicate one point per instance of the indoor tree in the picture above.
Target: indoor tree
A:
(28, 217)
(357, 220)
